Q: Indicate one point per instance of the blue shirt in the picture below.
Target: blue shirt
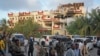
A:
(77, 52)
(70, 52)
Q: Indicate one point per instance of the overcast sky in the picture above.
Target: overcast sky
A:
(33, 5)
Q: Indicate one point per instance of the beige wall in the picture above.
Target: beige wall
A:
(38, 18)
(61, 32)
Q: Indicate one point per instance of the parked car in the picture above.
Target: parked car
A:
(18, 36)
(46, 39)
(98, 41)
(66, 41)
(75, 36)
(93, 39)
(89, 42)
(61, 38)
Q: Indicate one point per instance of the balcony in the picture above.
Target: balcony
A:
(48, 22)
(75, 11)
(48, 26)
(46, 18)
(56, 20)
(57, 26)
(78, 11)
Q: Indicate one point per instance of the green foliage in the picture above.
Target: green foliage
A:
(27, 27)
(86, 25)
(95, 18)
(72, 28)
(3, 24)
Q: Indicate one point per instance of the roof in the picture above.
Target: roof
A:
(61, 37)
(91, 36)
(82, 38)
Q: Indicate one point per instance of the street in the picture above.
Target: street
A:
(92, 52)
(26, 54)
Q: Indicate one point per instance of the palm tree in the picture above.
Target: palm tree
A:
(85, 24)
(88, 25)
(82, 25)
(95, 18)
(4, 27)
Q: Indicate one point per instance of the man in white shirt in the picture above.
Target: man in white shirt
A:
(26, 44)
(80, 45)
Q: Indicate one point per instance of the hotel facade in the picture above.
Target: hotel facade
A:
(47, 19)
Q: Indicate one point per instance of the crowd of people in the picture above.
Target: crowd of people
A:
(31, 47)
(40, 49)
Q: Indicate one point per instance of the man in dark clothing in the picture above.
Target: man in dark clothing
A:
(16, 50)
(31, 46)
(59, 48)
(98, 51)
(43, 43)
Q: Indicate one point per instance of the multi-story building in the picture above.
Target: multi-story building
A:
(44, 18)
(70, 10)
(47, 19)
(17, 17)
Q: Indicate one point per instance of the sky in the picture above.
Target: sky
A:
(7, 6)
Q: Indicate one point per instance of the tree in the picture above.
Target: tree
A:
(3, 24)
(95, 18)
(27, 27)
(86, 25)
(4, 27)
(82, 26)
(72, 28)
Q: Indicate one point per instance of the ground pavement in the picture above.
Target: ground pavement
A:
(92, 52)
